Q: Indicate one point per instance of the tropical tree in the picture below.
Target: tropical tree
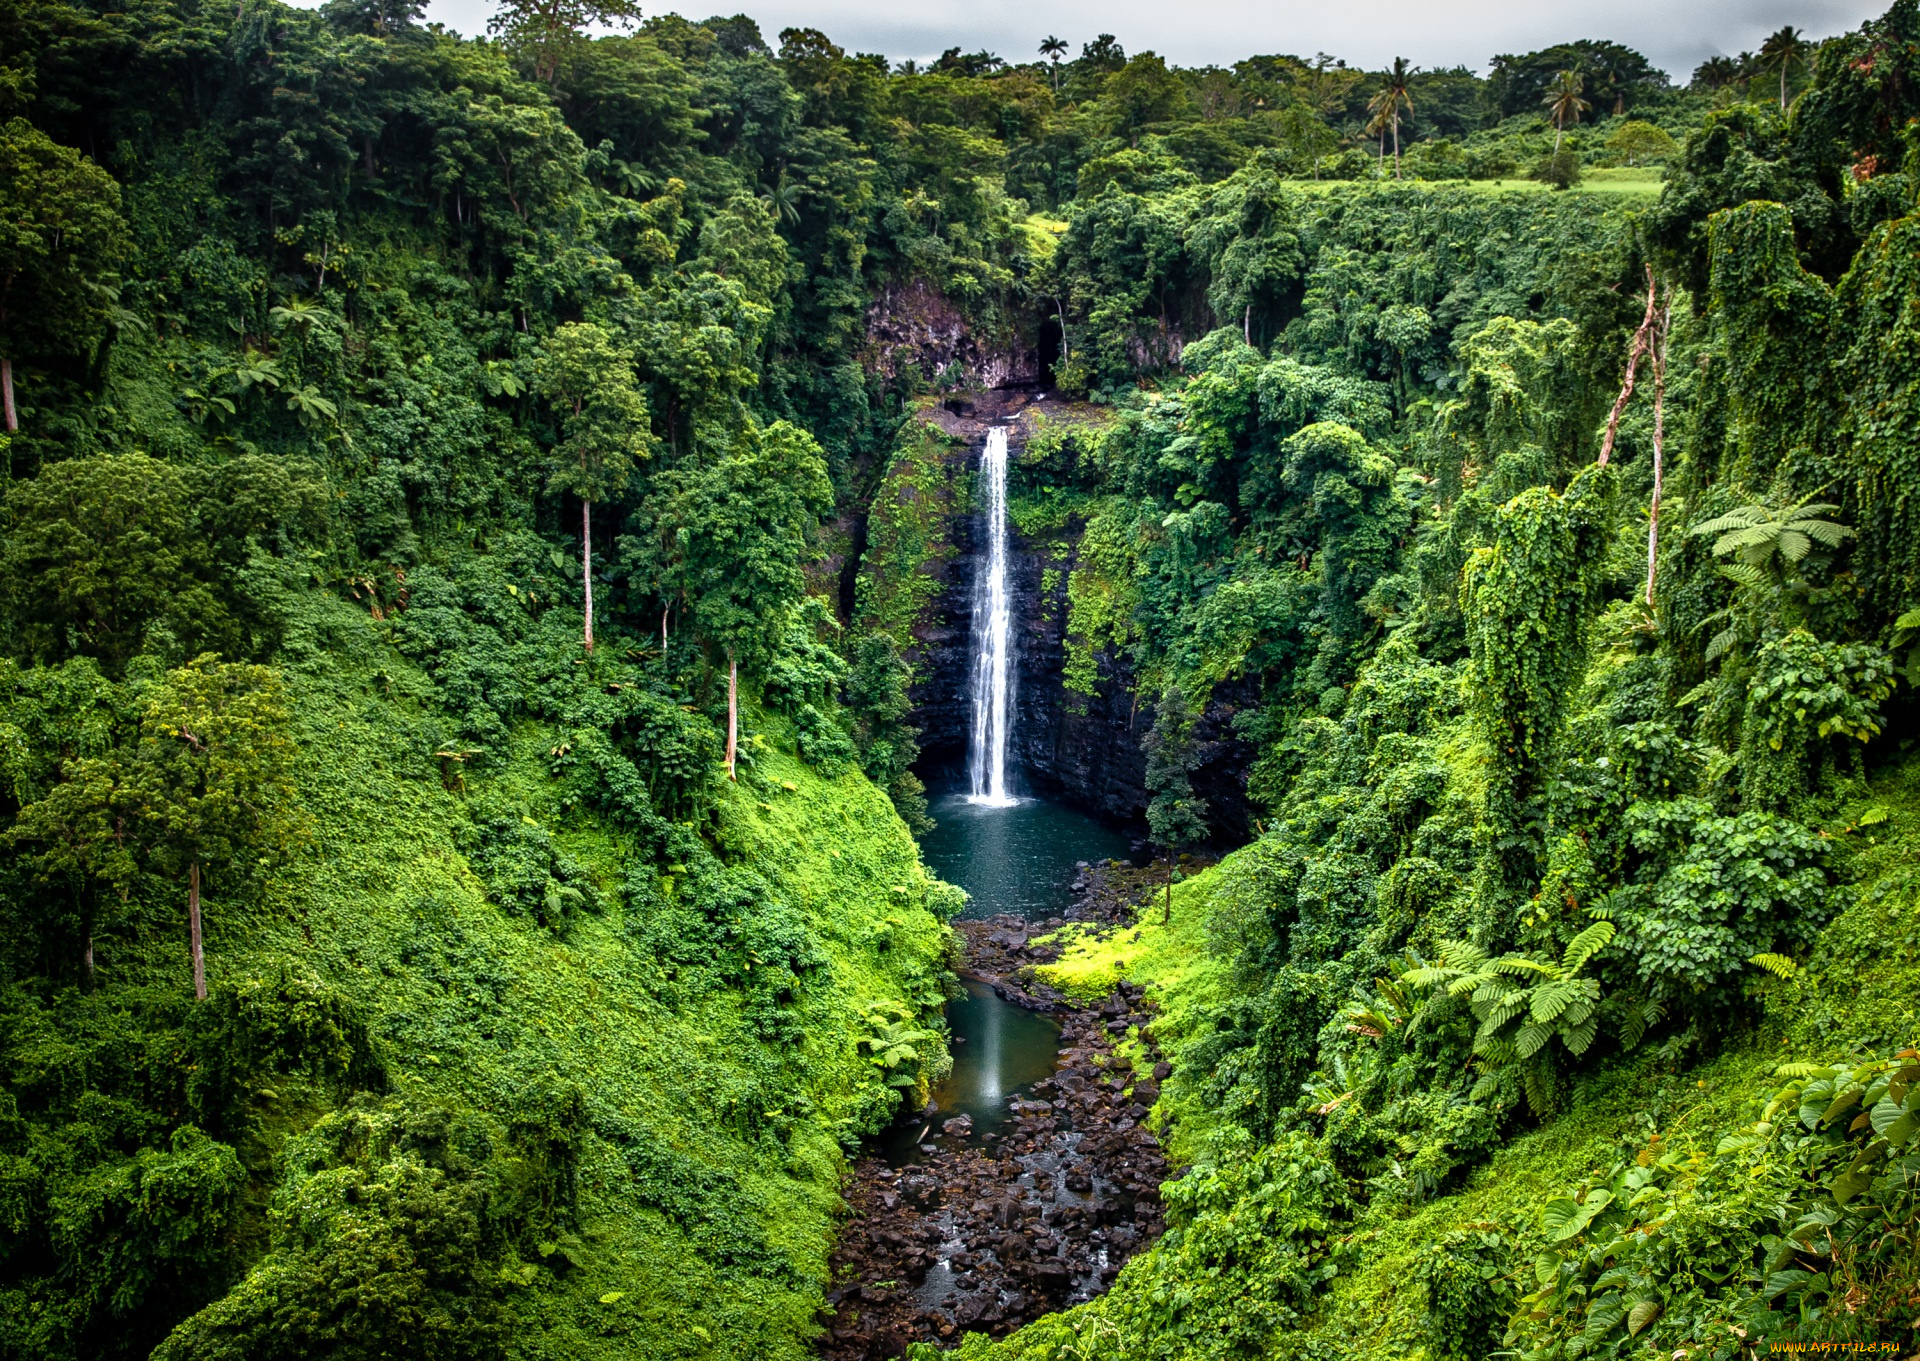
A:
(100, 550)
(1522, 1001)
(1393, 96)
(1637, 140)
(588, 381)
(1053, 49)
(211, 779)
(1753, 535)
(1306, 135)
(84, 831)
(1564, 104)
(1319, 92)
(730, 538)
(1377, 128)
(1176, 817)
(545, 31)
(1716, 73)
(61, 240)
(1782, 51)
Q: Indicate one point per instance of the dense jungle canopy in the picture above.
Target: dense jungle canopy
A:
(473, 515)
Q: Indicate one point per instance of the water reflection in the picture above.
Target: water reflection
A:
(1000, 1050)
(1015, 859)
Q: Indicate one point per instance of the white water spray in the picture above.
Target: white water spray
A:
(992, 639)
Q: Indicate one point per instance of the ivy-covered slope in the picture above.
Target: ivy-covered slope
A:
(1679, 1201)
(1564, 1004)
(473, 1074)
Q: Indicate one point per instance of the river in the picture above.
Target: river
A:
(1017, 858)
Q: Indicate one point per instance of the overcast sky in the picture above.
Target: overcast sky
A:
(1676, 36)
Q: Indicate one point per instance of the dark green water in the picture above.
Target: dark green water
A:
(1017, 859)
(999, 1050)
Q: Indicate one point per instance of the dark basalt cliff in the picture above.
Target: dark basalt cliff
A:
(1080, 750)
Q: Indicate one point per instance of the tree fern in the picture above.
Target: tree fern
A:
(1752, 535)
(1523, 1002)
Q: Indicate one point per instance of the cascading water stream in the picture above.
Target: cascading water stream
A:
(992, 639)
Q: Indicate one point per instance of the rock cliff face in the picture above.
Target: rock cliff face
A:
(1082, 751)
(916, 327)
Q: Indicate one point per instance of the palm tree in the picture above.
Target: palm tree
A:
(1053, 49)
(782, 198)
(1377, 127)
(1392, 97)
(1564, 103)
(1785, 50)
(1716, 73)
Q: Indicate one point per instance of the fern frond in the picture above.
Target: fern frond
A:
(1531, 1038)
(1718, 646)
(1634, 1028)
(1699, 692)
(1743, 518)
(1497, 1017)
(1794, 546)
(1578, 1038)
(1463, 955)
(1521, 964)
(1776, 964)
(1826, 531)
(1586, 945)
(1549, 1000)
(1538, 1085)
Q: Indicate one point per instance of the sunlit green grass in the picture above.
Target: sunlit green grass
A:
(1621, 180)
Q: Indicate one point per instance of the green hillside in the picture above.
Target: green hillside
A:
(482, 521)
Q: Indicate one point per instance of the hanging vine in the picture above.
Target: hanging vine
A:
(1529, 599)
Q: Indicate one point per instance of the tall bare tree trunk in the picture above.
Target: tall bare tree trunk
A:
(733, 711)
(1396, 146)
(6, 394)
(1642, 339)
(193, 922)
(1246, 325)
(586, 564)
(1659, 440)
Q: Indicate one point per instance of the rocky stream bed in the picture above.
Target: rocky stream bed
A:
(986, 1232)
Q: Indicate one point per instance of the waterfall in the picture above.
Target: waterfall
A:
(992, 638)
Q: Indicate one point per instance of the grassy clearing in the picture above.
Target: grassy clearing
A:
(1620, 180)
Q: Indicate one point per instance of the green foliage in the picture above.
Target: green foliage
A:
(732, 535)
(401, 1225)
(1529, 599)
(602, 413)
(1252, 1238)
(62, 241)
(581, 1031)
(102, 550)
(1522, 1002)
(1711, 892)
